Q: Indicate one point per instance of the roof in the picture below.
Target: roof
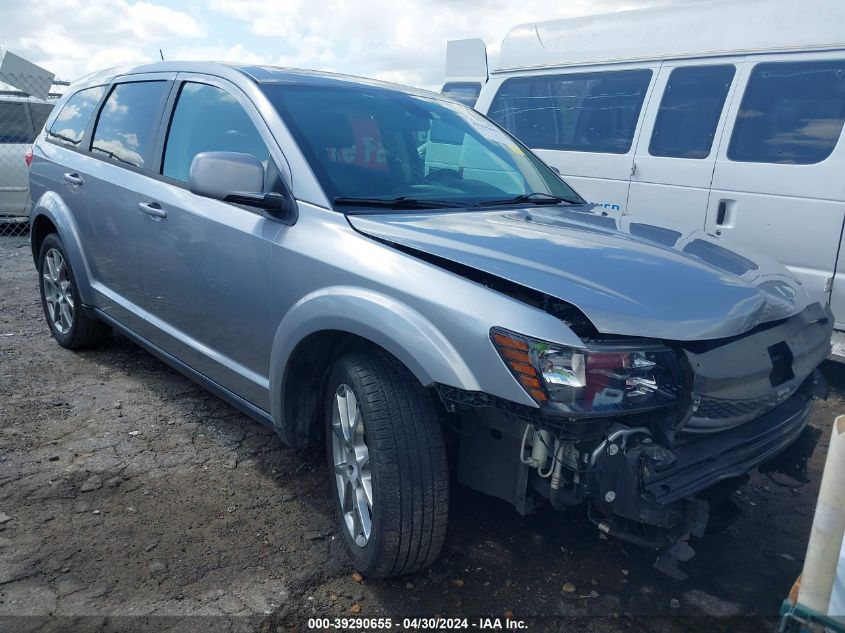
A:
(258, 74)
(692, 29)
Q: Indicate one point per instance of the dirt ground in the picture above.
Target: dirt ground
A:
(132, 499)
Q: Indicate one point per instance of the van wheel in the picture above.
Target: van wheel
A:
(387, 465)
(70, 326)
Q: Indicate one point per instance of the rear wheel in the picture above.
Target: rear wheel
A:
(387, 465)
(70, 326)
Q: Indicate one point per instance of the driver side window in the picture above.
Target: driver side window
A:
(208, 119)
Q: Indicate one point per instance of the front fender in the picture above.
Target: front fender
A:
(390, 324)
(51, 206)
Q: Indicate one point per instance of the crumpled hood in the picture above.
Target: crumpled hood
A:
(642, 281)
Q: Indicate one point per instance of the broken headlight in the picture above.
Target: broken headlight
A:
(601, 378)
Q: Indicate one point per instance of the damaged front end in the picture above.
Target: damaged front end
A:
(653, 436)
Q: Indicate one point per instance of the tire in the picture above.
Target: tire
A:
(68, 323)
(400, 427)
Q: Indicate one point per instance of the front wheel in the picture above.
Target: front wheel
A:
(387, 465)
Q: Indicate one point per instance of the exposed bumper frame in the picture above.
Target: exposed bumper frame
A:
(636, 481)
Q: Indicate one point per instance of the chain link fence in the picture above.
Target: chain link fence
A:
(26, 101)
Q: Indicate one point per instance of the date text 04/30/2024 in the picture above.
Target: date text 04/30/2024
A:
(414, 624)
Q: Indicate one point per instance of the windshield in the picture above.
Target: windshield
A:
(378, 144)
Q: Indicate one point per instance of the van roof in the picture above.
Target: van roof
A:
(692, 29)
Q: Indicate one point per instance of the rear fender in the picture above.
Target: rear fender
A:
(51, 206)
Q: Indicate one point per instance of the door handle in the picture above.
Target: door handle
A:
(725, 215)
(73, 179)
(720, 213)
(152, 208)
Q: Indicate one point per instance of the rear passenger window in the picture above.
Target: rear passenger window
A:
(689, 111)
(584, 112)
(15, 126)
(792, 112)
(69, 126)
(128, 122)
(208, 119)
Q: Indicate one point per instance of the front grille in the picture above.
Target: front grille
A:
(716, 408)
(717, 414)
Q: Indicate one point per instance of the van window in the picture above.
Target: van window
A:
(465, 92)
(208, 119)
(583, 112)
(128, 121)
(69, 126)
(15, 126)
(689, 111)
(791, 113)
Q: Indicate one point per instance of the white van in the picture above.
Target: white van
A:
(26, 101)
(719, 115)
(21, 119)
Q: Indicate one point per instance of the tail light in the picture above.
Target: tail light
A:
(27, 158)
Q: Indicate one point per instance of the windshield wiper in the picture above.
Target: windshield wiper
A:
(402, 202)
(536, 197)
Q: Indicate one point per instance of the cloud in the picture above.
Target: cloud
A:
(74, 37)
(397, 41)
(402, 41)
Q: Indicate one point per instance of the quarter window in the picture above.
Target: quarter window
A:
(584, 112)
(689, 111)
(791, 113)
(208, 119)
(40, 112)
(69, 126)
(128, 122)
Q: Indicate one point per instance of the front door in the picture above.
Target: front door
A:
(206, 263)
(676, 151)
(110, 224)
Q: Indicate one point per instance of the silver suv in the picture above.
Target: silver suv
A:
(386, 271)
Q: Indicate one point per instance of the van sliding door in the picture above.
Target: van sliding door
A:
(676, 150)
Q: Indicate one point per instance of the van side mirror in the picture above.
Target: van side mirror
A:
(238, 178)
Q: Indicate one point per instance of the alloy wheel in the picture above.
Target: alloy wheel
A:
(352, 469)
(58, 291)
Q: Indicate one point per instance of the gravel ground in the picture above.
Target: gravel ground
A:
(131, 498)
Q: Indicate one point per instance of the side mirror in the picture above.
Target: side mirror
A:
(238, 178)
(219, 174)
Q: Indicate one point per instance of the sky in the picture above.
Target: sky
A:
(394, 40)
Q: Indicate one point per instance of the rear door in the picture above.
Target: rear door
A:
(112, 226)
(676, 151)
(582, 122)
(779, 185)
